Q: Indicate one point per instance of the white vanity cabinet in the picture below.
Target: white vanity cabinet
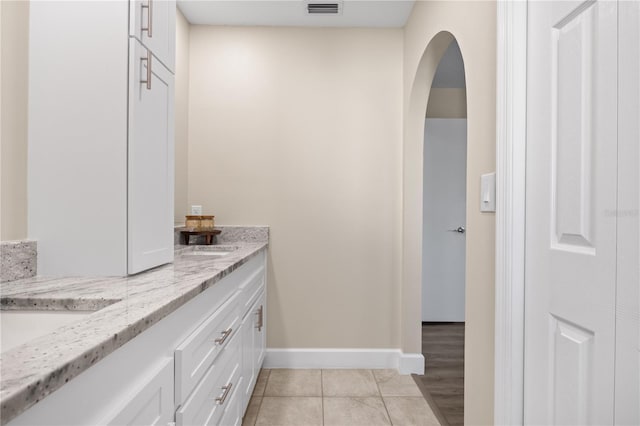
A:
(197, 366)
(101, 136)
(230, 346)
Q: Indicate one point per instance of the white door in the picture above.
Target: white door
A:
(570, 233)
(627, 402)
(444, 212)
(151, 161)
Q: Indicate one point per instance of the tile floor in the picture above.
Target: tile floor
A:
(337, 397)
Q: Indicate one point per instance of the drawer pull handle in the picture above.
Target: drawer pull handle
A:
(148, 60)
(220, 400)
(260, 314)
(149, 28)
(225, 334)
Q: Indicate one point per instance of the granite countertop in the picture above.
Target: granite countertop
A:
(125, 307)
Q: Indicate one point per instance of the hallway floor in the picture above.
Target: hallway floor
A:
(337, 397)
(443, 382)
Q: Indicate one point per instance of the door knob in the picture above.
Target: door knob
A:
(459, 230)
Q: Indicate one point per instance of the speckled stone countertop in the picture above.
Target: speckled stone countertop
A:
(125, 307)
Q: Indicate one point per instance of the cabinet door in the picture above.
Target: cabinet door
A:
(153, 22)
(151, 403)
(151, 158)
(249, 375)
(253, 347)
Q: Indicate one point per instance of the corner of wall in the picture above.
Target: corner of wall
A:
(14, 66)
(183, 30)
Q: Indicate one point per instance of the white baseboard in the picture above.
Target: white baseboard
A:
(411, 364)
(345, 358)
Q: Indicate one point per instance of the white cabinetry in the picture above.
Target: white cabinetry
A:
(197, 366)
(254, 343)
(151, 403)
(197, 352)
(151, 160)
(100, 159)
(153, 22)
(230, 346)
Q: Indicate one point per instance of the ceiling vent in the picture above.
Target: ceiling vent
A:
(323, 8)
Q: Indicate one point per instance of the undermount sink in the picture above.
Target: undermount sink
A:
(21, 326)
(209, 252)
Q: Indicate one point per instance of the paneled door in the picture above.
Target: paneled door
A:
(570, 281)
(150, 161)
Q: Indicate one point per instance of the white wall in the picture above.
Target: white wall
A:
(300, 129)
(473, 23)
(13, 121)
(181, 117)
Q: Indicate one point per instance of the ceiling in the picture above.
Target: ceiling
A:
(353, 13)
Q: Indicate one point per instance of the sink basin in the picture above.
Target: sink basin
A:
(209, 252)
(20, 326)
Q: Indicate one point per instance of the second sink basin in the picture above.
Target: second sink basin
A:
(208, 252)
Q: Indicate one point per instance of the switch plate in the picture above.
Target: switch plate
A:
(196, 210)
(488, 192)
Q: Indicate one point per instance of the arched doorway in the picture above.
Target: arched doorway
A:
(443, 238)
(413, 198)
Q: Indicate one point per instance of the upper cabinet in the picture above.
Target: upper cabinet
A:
(151, 157)
(101, 136)
(153, 23)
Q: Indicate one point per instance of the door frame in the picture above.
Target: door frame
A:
(511, 108)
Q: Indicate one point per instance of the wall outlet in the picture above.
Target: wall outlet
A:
(196, 210)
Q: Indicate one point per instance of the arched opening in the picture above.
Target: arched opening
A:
(413, 208)
(443, 237)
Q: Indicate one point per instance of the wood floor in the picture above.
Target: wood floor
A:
(443, 382)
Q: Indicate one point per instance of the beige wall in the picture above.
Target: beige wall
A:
(181, 117)
(13, 121)
(300, 129)
(447, 103)
(473, 24)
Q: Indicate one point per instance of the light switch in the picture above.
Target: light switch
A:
(488, 192)
(196, 210)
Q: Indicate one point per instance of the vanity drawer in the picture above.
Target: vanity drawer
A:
(195, 355)
(250, 290)
(216, 391)
(232, 413)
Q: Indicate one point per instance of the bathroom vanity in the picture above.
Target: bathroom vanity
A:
(182, 343)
